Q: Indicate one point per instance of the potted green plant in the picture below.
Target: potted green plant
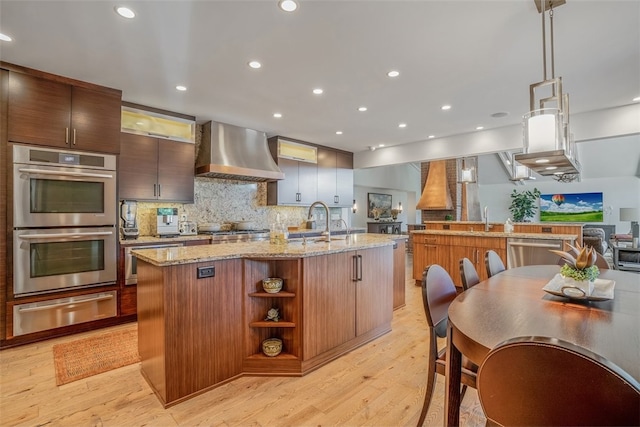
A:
(523, 204)
(580, 270)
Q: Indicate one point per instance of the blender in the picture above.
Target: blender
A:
(128, 214)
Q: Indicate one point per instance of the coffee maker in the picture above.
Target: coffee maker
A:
(128, 214)
(167, 222)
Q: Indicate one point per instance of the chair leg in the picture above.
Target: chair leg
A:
(431, 379)
(462, 392)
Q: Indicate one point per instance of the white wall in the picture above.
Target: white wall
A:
(617, 192)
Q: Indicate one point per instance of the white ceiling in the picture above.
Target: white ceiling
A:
(479, 56)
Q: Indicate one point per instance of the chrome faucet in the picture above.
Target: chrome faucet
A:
(346, 227)
(327, 232)
(486, 218)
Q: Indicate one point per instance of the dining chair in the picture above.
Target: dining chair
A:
(545, 381)
(468, 274)
(438, 291)
(493, 262)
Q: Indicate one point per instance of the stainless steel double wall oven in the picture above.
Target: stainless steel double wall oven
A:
(64, 236)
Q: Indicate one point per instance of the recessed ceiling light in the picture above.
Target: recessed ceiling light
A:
(550, 168)
(381, 145)
(5, 37)
(446, 107)
(362, 108)
(277, 115)
(636, 99)
(318, 91)
(542, 161)
(431, 136)
(255, 64)
(181, 88)
(402, 125)
(558, 173)
(288, 5)
(125, 12)
(479, 127)
(393, 73)
(338, 132)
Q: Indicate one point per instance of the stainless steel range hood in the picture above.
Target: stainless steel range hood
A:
(232, 152)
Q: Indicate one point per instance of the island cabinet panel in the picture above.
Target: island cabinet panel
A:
(447, 251)
(399, 273)
(429, 249)
(189, 328)
(374, 296)
(329, 302)
(56, 114)
(257, 303)
(348, 300)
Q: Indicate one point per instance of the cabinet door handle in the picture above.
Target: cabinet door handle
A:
(298, 197)
(359, 277)
(336, 199)
(159, 190)
(154, 190)
(354, 278)
(74, 136)
(66, 135)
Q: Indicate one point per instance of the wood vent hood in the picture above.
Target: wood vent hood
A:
(436, 194)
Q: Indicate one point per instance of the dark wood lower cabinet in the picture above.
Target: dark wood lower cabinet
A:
(189, 328)
(195, 334)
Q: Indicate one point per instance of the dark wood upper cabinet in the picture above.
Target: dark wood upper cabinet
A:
(155, 169)
(335, 177)
(56, 114)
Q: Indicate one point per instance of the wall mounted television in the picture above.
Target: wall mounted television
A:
(571, 207)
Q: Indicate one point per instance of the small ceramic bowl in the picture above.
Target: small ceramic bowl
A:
(272, 285)
(272, 346)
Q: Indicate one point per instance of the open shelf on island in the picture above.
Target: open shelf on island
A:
(280, 356)
(266, 324)
(281, 294)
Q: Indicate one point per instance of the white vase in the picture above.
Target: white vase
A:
(585, 286)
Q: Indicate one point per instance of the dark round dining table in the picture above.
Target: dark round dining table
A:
(513, 304)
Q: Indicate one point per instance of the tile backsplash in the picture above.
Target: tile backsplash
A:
(224, 201)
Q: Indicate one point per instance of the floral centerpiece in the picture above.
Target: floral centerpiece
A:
(580, 269)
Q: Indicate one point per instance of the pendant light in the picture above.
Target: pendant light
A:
(467, 169)
(548, 147)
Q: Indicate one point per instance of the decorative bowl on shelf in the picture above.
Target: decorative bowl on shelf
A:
(272, 346)
(272, 285)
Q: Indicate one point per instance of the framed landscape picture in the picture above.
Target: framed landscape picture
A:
(379, 204)
(571, 207)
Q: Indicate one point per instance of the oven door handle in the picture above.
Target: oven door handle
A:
(61, 304)
(59, 235)
(65, 173)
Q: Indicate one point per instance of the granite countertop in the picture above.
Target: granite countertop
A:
(295, 248)
(153, 239)
(547, 236)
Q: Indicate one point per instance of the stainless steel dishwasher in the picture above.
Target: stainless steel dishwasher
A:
(522, 252)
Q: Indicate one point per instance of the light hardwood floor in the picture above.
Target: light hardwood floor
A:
(379, 384)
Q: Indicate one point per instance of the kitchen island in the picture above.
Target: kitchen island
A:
(202, 309)
(446, 242)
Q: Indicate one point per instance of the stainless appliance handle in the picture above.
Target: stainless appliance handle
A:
(535, 245)
(61, 304)
(59, 235)
(65, 173)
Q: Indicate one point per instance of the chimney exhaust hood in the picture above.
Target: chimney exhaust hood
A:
(436, 194)
(232, 152)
